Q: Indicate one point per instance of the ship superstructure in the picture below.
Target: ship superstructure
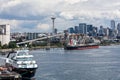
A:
(22, 62)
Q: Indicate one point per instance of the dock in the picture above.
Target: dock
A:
(9, 75)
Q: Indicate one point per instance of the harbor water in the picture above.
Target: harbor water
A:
(91, 64)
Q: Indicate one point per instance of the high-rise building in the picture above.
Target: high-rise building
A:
(94, 31)
(106, 31)
(110, 33)
(114, 29)
(71, 30)
(31, 36)
(89, 28)
(55, 30)
(76, 29)
(83, 28)
(101, 31)
(112, 24)
(118, 28)
(4, 34)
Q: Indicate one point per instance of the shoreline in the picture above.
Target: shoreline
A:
(4, 51)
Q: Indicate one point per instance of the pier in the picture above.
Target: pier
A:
(8, 75)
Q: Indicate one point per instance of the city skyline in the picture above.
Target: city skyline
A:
(31, 16)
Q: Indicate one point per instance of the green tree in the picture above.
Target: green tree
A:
(12, 44)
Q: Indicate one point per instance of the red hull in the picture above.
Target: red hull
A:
(81, 47)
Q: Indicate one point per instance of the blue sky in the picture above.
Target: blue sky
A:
(34, 15)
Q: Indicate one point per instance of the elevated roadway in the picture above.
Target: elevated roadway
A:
(47, 37)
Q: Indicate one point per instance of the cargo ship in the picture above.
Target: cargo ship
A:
(22, 62)
(80, 43)
(81, 47)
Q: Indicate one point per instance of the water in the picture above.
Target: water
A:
(92, 64)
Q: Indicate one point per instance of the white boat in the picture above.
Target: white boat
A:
(22, 62)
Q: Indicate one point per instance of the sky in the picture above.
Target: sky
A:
(35, 15)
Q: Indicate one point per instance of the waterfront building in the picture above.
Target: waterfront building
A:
(4, 34)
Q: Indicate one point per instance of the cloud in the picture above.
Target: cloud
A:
(25, 14)
(5, 4)
(13, 23)
(43, 27)
(75, 1)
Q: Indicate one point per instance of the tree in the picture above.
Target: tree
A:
(12, 44)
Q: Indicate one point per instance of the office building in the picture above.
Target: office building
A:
(112, 24)
(89, 28)
(118, 28)
(31, 36)
(101, 31)
(71, 30)
(83, 28)
(106, 31)
(76, 29)
(4, 34)
(94, 31)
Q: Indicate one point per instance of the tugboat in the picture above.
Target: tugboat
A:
(22, 62)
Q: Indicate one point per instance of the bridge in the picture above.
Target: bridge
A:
(47, 37)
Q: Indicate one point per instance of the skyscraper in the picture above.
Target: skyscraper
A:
(101, 31)
(114, 29)
(83, 28)
(118, 28)
(89, 28)
(71, 30)
(112, 24)
(76, 29)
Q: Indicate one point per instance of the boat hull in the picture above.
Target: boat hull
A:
(81, 47)
(26, 72)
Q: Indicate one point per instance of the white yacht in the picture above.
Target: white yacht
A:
(22, 62)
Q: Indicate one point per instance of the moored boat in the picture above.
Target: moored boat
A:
(22, 62)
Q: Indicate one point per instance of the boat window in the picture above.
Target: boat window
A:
(22, 53)
(25, 59)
